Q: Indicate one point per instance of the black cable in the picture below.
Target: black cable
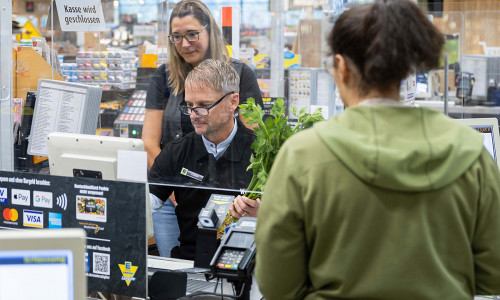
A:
(222, 289)
(216, 285)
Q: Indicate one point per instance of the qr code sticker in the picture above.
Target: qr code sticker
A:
(101, 263)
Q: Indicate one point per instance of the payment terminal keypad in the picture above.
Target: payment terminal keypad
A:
(230, 259)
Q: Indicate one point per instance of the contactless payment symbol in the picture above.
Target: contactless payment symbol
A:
(128, 272)
(62, 201)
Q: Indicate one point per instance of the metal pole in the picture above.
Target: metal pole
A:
(6, 122)
(445, 94)
(277, 45)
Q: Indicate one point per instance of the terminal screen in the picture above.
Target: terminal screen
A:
(488, 139)
(241, 240)
(36, 274)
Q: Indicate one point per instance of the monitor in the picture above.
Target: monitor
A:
(488, 127)
(84, 155)
(92, 156)
(42, 264)
(426, 85)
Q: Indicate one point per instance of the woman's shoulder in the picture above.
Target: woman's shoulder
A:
(162, 70)
(237, 65)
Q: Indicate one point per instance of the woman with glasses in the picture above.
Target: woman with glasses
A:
(194, 37)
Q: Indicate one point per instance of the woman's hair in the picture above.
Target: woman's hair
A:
(178, 68)
(384, 41)
(216, 75)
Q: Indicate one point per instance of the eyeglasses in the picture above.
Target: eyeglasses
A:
(201, 111)
(190, 36)
(328, 64)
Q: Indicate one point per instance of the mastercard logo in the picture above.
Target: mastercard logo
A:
(10, 214)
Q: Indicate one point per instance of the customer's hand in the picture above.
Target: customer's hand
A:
(244, 207)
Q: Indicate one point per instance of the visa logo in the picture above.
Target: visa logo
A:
(3, 195)
(32, 218)
(21, 197)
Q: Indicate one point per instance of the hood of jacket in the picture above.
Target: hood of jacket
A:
(401, 148)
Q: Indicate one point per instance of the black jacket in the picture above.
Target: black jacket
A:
(188, 155)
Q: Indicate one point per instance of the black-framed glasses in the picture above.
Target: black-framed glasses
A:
(201, 111)
(190, 36)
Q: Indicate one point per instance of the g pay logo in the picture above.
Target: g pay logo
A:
(32, 218)
(3, 196)
(42, 199)
(10, 214)
(21, 197)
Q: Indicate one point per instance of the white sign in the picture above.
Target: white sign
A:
(77, 15)
(144, 30)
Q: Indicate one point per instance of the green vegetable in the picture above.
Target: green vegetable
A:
(270, 136)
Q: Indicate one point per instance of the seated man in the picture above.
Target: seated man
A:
(217, 154)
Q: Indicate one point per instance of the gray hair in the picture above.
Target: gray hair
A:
(214, 74)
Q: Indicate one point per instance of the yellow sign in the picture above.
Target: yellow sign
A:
(29, 30)
(230, 50)
(128, 272)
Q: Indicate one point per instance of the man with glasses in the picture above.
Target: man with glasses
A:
(217, 154)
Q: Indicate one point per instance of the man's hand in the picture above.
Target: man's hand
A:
(172, 199)
(244, 207)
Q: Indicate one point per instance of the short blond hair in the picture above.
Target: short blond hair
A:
(216, 75)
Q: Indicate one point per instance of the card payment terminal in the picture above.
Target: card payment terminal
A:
(235, 257)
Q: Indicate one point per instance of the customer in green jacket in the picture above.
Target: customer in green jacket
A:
(383, 201)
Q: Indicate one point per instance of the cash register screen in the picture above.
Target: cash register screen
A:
(488, 127)
(36, 274)
(488, 140)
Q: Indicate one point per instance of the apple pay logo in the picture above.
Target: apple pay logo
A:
(21, 197)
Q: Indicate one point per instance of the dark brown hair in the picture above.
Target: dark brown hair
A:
(385, 40)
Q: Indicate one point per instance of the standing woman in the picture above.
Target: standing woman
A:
(194, 37)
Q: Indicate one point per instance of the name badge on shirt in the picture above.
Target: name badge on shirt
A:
(191, 174)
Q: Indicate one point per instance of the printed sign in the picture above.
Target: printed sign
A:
(128, 271)
(144, 30)
(77, 15)
(115, 260)
(91, 208)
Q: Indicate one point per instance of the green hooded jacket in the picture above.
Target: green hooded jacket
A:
(381, 202)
